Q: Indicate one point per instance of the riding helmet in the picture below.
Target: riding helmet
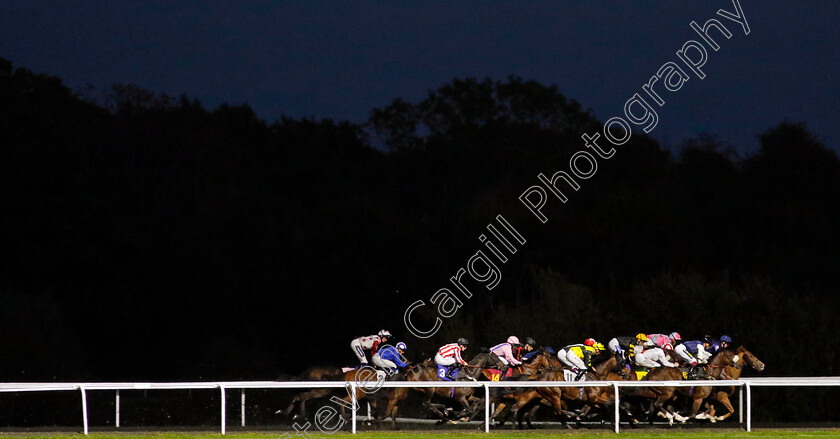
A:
(530, 341)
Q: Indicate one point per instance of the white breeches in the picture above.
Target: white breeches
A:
(385, 364)
(356, 345)
(683, 353)
(613, 346)
(561, 355)
(444, 361)
(641, 360)
(575, 361)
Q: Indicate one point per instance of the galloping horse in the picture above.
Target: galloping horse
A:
(698, 394)
(738, 358)
(541, 362)
(662, 394)
(556, 396)
(314, 373)
(463, 395)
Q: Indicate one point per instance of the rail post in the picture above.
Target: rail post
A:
(740, 405)
(224, 403)
(486, 408)
(617, 418)
(242, 408)
(84, 409)
(749, 407)
(353, 406)
(117, 408)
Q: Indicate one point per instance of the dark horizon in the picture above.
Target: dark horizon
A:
(339, 61)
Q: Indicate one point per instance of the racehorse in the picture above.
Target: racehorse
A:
(698, 394)
(541, 362)
(662, 394)
(732, 371)
(556, 396)
(314, 373)
(464, 395)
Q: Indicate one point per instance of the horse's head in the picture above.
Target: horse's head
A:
(624, 371)
(541, 361)
(486, 360)
(750, 359)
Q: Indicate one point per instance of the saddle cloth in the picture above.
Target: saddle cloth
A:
(442, 373)
(496, 374)
(568, 375)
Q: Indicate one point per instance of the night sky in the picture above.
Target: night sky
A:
(340, 60)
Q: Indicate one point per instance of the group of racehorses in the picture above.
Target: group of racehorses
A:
(587, 401)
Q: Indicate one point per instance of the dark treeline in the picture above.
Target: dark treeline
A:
(150, 238)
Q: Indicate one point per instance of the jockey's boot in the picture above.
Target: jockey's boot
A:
(452, 372)
(692, 373)
(580, 374)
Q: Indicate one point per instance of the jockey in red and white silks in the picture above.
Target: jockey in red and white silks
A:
(450, 354)
(369, 343)
(505, 351)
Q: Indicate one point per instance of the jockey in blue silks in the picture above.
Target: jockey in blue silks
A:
(390, 357)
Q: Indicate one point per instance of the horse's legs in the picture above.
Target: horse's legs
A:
(499, 407)
(391, 411)
(398, 395)
(530, 415)
(465, 405)
(310, 395)
(723, 398)
(435, 408)
(290, 407)
(525, 401)
(658, 406)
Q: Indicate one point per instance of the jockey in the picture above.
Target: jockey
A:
(528, 351)
(659, 340)
(626, 348)
(717, 345)
(694, 352)
(369, 343)
(505, 351)
(450, 354)
(390, 358)
(579, 356)
(655, 357)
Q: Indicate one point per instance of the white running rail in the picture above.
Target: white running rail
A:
(746, 384)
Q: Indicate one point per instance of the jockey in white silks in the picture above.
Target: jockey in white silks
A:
(655, 357)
